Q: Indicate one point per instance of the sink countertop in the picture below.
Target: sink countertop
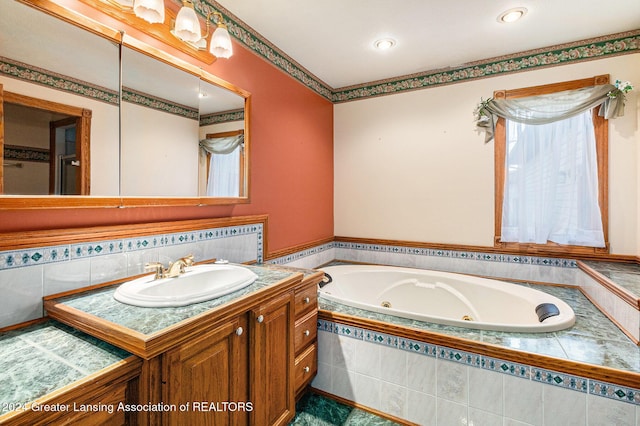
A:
(42, 358)
(148, 332)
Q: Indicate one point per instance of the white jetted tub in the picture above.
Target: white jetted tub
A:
(446, 298)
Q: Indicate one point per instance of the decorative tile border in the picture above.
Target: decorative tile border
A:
(547, 377)
(615, 44)
(222, 117)
(145, 100)
(31, 74)
(43, 255)
(302, 254)
(584, 50)
(456, 254)
(26, 153)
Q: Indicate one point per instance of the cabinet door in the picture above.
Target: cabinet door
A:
(272, 362)
(210, 374)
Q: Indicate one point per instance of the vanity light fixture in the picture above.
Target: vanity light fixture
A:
(187, 25)
(512, 15)
(151, 11)
(384, 44)
(220, 44)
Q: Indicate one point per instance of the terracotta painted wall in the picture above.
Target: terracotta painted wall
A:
(291, 160)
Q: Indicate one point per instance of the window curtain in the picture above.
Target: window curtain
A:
(551, 190)
(544, 109)
(224, 166)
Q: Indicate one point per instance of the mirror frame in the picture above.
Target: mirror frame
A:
(11, 202)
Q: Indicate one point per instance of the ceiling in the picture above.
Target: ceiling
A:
(333, 39)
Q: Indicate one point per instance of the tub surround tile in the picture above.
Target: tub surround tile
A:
(593, 339)
(486, 391)
(523, 400)
(41, 358)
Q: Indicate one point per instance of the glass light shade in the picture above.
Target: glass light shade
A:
(221, 43)
(151, 11)
(187, 26)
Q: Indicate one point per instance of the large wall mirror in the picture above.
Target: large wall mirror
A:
(92, 117)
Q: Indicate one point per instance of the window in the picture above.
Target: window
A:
(520, 160)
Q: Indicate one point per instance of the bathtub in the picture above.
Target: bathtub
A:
(446, 298)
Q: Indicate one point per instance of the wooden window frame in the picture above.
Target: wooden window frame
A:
(601, 127)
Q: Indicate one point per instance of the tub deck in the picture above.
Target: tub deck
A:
(594, 339)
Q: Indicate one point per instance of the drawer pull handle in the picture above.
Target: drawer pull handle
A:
(306, 300)
(239, 331)
(306, 369)
(260, 319)
(306, 332)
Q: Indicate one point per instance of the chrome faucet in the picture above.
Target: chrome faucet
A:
(175, 268)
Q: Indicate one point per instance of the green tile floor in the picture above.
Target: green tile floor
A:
(316, 410)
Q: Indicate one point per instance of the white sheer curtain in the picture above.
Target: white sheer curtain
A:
(224, 174)
(551, 187)
(224, 165)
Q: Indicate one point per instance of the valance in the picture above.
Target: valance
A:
(544, 109)
(223, 145)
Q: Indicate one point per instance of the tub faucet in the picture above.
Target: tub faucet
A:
(175, 268)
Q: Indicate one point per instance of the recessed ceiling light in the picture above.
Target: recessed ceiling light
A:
(384, 44)
(512, 15)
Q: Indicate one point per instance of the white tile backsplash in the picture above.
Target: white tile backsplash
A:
(22, 292)
(29, 274)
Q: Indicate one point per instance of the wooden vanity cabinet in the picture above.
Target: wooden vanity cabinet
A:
(272, 361)
(202, 375)
(305, 334)
(238, 373)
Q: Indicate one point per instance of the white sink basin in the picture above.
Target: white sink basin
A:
(198, 284)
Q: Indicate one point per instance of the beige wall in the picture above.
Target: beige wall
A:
(159, 153)
(412, 167)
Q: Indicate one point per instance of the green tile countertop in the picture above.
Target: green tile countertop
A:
(42, 358)
(101, 304)
(626, 275)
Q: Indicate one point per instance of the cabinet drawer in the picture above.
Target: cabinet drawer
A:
(306, 299)
(306, 367)
(306, 330)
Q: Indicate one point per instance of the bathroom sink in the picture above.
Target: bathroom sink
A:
(197, 284)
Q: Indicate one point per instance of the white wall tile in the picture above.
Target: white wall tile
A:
(22, 291)
(393, 364)
(451, 413)
(486, 391)
(478, 417)
(421, 408)
(367, 359)
(367, 391)
(64, 276)
(523, 400)
(564, 407)
(343, 383)
(421, 373)
(108, 268)
(452, 381)
(393, 399)
(603, 411)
